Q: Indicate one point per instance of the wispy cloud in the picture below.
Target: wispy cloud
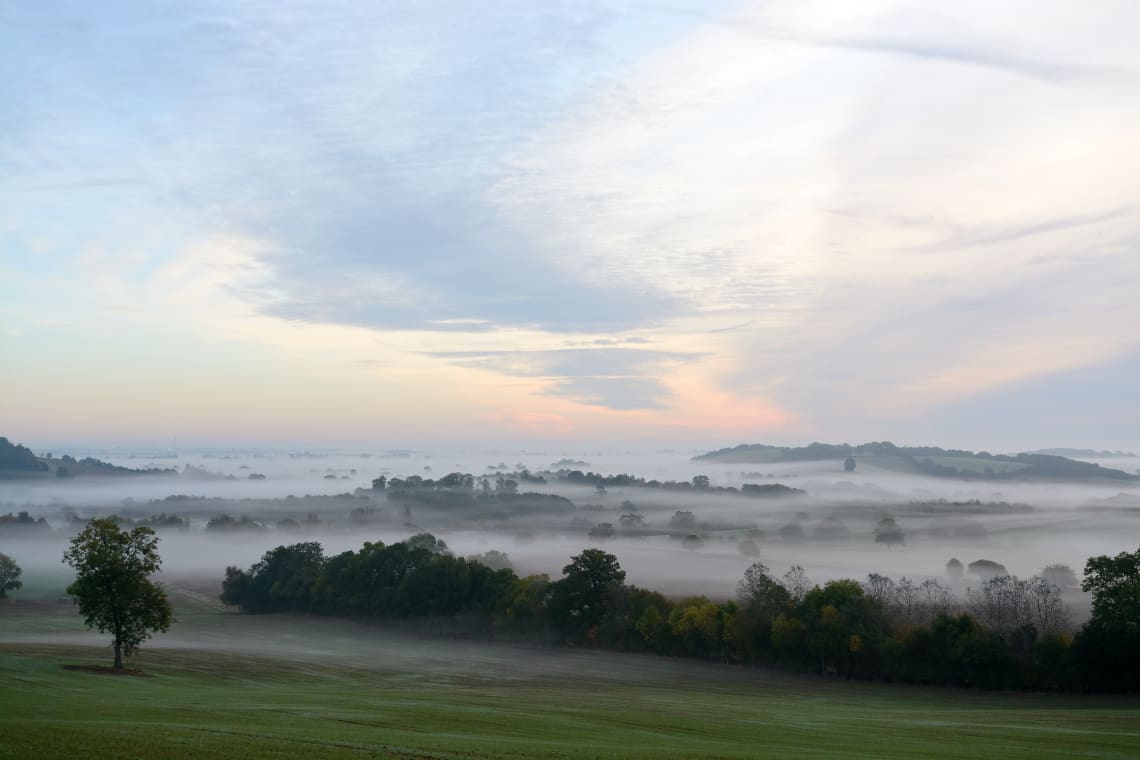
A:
(847, 211)
(615, 378)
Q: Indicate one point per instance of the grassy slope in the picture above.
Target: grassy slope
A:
(976, 464)
(275, 686)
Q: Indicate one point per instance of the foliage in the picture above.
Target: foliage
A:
(228, 524)
(112, 585)
(415, 578)
(9, 575)
(1114, 583)
(1007, 634)
(281, 581)
(428, 543)
(579, 600)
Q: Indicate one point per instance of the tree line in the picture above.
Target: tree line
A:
(1010, 634)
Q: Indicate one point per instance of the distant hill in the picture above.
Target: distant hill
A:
(925, 460)
(18, 461)
(1085, 453)
(19, 458)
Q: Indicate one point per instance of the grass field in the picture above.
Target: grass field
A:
(229, 685)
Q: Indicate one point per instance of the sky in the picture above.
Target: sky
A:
(581, 223)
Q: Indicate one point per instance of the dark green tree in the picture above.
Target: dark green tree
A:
(1114, 583)
(9, 575)
(281, 582)
(762, 599)
(112, 584)
(1107, 649)
(580, 598)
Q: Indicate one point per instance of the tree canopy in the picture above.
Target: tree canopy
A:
(9, 575)
(112, 584)
(1114, 583)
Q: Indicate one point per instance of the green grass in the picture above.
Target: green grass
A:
(229, 685)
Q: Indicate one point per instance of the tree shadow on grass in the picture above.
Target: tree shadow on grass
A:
(107, 670)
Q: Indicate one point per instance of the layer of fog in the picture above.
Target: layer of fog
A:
(1024, 526)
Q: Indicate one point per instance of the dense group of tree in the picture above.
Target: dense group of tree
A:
(1008, 633)
(23, 524)
(698, 483)
(413, 578)
(68, 466)
(462, 488)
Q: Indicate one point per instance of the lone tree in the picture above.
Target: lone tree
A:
(888, 532)
(9, 575)
(112, 584)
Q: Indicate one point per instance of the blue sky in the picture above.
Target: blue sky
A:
(629, 222)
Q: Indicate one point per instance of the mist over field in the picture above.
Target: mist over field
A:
(828, 529)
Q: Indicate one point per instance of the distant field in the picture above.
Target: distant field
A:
(968, 464)
(976, 464)
(229, 685)
(892, 464)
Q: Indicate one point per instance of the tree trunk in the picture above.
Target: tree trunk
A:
(118, 655)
